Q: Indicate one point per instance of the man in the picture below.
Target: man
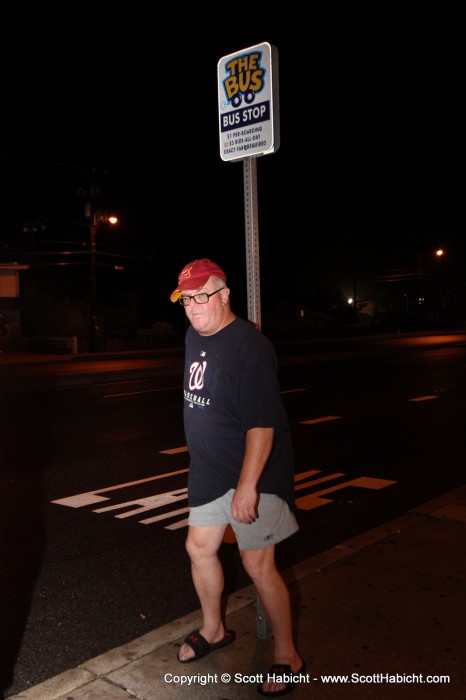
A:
(241, 464)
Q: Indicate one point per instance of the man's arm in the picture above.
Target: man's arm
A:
(259, 442)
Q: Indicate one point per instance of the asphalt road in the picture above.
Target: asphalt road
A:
(93, 474)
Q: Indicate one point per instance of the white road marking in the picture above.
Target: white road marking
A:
(149, 503)
(314, 500)
(154, 501)
(304, 475)
(90, 497)
(157, 518)
(308, 502)
(317, 481)
(178, 525)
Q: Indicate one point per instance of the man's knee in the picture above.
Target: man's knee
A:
(258, 562)
(194, 545)
(203, 542)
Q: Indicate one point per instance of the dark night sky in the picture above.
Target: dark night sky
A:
(371, 161)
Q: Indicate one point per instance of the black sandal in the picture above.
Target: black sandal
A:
(276, 671)
(202, 647)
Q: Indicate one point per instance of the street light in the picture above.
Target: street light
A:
(426, 277)
(97, 219)
(421, 272)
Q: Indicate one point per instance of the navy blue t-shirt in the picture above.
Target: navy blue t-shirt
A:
(230, 386)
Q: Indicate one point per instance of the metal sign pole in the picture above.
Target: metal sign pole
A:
(252, 240)
(251, 219)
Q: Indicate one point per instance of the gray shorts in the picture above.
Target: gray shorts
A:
(275, 523)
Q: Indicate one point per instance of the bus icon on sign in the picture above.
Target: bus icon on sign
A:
(249, 96)
(245, 78)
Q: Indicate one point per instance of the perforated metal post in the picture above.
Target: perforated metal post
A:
(263, 630)
(251, 218)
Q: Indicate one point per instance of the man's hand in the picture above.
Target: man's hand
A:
(259, 443)
(244, 505)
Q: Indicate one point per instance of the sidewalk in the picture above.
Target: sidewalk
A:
(386, 609)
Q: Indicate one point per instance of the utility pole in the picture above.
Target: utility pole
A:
(92, 286)
(90, 193)
(96, 218)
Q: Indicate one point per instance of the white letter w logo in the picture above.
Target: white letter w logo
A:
(196, 375)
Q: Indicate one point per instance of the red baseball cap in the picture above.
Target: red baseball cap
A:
(195, 275)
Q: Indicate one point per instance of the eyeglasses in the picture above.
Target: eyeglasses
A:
(201, 298)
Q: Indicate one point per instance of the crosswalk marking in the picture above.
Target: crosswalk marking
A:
(304, 475)
(314, 500)
(313, 482)
(178, 525)
(158, 518)
(149, 503)
(138, 506)
(90, 497)
(168, 498)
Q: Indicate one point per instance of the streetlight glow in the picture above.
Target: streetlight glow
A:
(96, 220)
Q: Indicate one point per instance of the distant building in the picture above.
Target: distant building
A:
(10, 312)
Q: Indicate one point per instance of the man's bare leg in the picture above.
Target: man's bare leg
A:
(202, 545)
(275, 598)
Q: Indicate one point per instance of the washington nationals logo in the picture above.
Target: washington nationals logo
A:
(196, 375)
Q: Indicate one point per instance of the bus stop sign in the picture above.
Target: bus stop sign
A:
(248, 102)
